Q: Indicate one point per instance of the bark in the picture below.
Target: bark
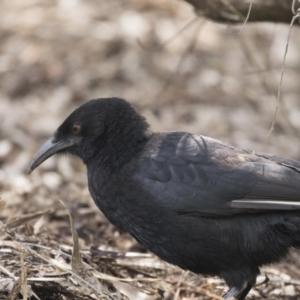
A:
(235, 11)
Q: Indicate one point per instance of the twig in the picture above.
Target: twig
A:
(7, 272)
(209, 294)
(247, 18)
(181, 60)
(282, 73)
(51, 262)
(168, 40)
(182, 277)
(231, 8)
(294, 7)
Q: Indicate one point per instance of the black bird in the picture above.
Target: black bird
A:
(193, 201)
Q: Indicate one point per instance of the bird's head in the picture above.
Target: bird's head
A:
(96, 124)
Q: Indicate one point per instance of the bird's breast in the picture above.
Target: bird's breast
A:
(120, 200)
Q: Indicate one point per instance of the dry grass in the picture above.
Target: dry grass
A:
(35, 265)
(209, 79)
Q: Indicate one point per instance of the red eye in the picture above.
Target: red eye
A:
(76, 128)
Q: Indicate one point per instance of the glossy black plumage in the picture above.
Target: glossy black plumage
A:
(192, 200)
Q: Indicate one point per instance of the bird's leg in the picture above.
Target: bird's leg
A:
(240, 293)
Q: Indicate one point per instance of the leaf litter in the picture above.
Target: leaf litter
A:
(43, 77)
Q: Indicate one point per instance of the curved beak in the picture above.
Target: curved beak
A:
(48, 149)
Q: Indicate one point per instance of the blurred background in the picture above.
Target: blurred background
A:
(180, 71)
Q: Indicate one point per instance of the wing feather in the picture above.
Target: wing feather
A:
(200, 175)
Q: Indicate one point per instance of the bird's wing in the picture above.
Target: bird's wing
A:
(197, 174)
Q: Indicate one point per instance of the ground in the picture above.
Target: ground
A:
(208, 79)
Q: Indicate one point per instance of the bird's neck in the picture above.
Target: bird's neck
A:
(119, 145)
